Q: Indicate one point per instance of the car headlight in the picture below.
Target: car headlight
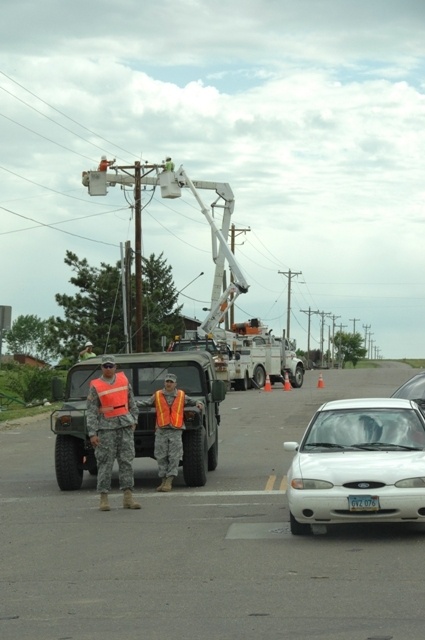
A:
(411, 483)
(307, 484)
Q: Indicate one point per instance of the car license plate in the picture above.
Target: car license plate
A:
(363, 503)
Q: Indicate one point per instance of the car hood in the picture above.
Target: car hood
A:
(350, 466)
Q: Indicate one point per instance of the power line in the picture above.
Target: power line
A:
(64, 114)
(43, 224)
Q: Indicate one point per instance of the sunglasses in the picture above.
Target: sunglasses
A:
(108, 366)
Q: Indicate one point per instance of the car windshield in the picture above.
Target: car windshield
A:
(365, 429)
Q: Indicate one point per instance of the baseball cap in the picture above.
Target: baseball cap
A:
(170, 376)
(108, 360)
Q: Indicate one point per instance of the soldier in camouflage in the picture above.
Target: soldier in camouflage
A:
(169, 404)
(112, 416)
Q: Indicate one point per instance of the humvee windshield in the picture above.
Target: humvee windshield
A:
(145, 379)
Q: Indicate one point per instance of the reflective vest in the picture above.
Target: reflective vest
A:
(113, 397)
(169, 414)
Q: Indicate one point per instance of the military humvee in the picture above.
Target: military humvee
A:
(146, 372)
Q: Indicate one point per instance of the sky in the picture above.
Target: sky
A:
(312, 111)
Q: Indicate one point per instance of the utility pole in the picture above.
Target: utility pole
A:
(370, 355)
(333, 336)
(233, 232)
(138, 254)
(323, 314)
(354, 320)
(289, 274)
(341, 326)
(366, 327)
(309, 313)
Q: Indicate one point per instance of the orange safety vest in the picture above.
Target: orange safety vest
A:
(103, 165)
(113, 397)
(169, 415)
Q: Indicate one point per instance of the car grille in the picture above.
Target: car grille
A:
(363, 484)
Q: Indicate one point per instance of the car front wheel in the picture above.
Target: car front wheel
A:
(298, 528)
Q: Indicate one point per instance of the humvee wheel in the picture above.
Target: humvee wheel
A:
(195, 457)
(213, 453)
(69, 452)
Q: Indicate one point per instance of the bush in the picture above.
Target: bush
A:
(31, 383)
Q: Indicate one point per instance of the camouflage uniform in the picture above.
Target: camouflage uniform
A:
(116, 440)
(168, 440)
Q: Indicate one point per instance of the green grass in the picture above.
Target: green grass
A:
(15, 409)
(362, 364)
(25, 412)
(418, 363)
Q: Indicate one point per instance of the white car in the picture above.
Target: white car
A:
(360, 460)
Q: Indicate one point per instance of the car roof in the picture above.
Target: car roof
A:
(367, 403)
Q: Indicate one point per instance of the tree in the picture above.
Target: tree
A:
(29, 336)
(349, 347)
(33, 384)
(96, 312)
(161, 316)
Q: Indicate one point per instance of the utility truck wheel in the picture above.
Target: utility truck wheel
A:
(298, 379)
(260, 377)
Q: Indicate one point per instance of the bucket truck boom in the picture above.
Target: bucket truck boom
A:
(171, 184)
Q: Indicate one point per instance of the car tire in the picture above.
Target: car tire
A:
(69, 453)
(298, 528)
(195, 457)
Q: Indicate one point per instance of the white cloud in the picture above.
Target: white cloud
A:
(313, 112)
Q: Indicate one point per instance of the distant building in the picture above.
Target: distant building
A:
(29, 360)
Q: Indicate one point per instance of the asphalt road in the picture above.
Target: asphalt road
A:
(217, 562)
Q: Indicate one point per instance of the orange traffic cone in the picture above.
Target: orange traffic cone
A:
(267, 386)
(286, 384)
(320, 383)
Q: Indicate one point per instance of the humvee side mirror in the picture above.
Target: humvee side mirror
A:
(218, 390)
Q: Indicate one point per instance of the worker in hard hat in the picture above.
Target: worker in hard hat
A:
(104, 163)
(87, 352)
(169, 164)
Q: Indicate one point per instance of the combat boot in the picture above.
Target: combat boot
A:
(104, 504)
(128, 501)
(161, 486)
(168, 484)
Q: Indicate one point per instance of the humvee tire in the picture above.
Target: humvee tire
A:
(69, 452)
(195, 457)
